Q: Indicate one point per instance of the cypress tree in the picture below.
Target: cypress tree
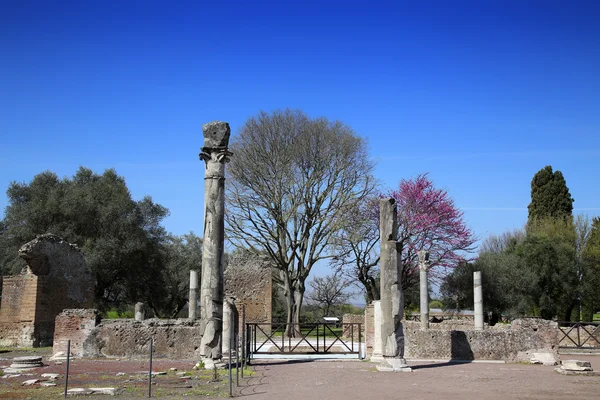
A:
(550, 197)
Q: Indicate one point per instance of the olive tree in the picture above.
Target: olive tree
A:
(292, 182)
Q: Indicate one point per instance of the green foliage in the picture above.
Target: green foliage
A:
(116, 314)
(125, 245)
(532, 274)
(436, 304)
(550, 197)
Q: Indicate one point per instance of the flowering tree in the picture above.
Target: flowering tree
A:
(428, 220)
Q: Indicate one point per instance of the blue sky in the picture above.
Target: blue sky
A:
(480, 94)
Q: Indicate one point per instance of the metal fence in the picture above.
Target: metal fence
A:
(579, 335)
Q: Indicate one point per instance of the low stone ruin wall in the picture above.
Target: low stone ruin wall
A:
(175, 338)
(353, 319)
(512, 343)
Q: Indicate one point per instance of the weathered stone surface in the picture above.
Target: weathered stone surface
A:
(140, 311)
(249, 281)
(57, 278)
(30, 382)
(478, 299)
(75, 325)
(51, 377)
(576, 373)
(27, 362)
(230, 325)
(178, 338)
(193, 295)
(216, 135)
(515, 343)
(576, 365)
(544, 358)
(47, 384)
(215, 155)
(392, 296)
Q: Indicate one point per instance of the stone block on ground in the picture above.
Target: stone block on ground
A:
(543, 358)
(576, 365)
(393, 365)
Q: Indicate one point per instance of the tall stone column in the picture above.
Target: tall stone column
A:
(424, 289)
(193, 297)
(478, 299)
(215, 155)
(392, 296)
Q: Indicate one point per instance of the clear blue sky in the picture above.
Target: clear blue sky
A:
(480, 94)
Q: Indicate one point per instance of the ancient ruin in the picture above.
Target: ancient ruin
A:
(392, 296)
(478, 299)
(423, 288)
(215, 155)
(57, 277)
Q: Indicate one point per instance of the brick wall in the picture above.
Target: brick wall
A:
(18, 310)
(75, 325)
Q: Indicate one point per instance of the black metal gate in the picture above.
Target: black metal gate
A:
(579, 335)
(315, 338)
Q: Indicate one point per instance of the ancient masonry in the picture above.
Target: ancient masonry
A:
(250, 285)
(392, 297)
(215, 155)
(56, 278)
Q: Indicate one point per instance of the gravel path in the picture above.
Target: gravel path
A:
(429, 380)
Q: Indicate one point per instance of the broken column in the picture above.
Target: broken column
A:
(423, 260)
(392, 296)
(230, 324)
(215, 155)
(193, 298)
(140, 311)
(478, 299)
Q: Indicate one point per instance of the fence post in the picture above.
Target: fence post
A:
(150, 370)
(67, 373)
(230, 374)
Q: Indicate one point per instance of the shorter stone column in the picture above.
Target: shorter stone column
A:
(478, 300)
(424, 288)
(140, 311)
(377, 346)
(193, 297)
(230, 324)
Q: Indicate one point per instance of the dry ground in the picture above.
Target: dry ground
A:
(359, 380)
(275, 379)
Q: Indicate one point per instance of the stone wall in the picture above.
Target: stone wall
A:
(508, 343)
(175, 338)
(353, 319)
(250, 283)
(75, 325)
(56, 278)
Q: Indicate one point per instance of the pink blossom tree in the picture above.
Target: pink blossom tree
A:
(428, 219)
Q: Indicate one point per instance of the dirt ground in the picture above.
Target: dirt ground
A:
(318, 379)
(360, 380)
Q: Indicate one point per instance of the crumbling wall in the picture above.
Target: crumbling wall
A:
(56, 278)
(502, 342)
(17, 311)
(75, 325)
(348, 319)
(92, 337)
(250, 283)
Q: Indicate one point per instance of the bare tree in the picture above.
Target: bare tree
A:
(329, 291)
(357, 249)
(292, 184)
